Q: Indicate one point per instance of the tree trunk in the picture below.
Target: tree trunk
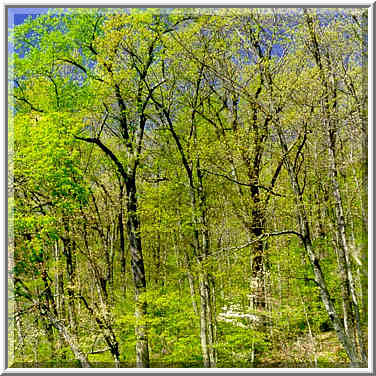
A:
(203, 322)
(351, 306)
(304, 228)
(59, 288)
(200, 227)
(20, 331)
(206, 288)
(68, 253)
(206, 311)
(121, 238)
(191, 283)
(138, 271)
(209, 296)
(64, 332)
(158, 279)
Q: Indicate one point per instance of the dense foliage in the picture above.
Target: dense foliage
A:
(188, 188)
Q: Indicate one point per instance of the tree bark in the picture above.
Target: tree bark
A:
(71, 267)
(191, 283)
(203, 322)
(121, 235)
(138, 271)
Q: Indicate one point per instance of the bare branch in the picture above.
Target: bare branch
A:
(261, 237)
(244, 184)
(30, 104)
(100, 351)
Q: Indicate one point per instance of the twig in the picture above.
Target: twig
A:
(244, 184)
(99, 351)
(261, 237)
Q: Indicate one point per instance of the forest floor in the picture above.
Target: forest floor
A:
(323, 352)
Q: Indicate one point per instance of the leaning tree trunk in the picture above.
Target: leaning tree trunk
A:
(329, 109)
(68, 337)
(351, 306)
(305, 234)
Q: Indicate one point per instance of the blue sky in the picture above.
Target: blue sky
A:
(16, 16)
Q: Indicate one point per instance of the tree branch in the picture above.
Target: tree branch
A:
(261, 237)
(244, 184)
(81, 67)
(108, 152)
(30, 104)
(100, 351)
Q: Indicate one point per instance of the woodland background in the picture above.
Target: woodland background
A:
(187, 188)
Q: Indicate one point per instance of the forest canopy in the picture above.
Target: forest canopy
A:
(188, 188)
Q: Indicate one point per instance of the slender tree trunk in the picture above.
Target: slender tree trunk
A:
(68, 253)
(203, 322)
(206, 278)
(121, 238)
(20, 331)
(209, 296)
(157, 262)
(69, 338)
(51, 317)
(191, 283)
(201, 249)
(364, 201)
(350, 299)
(200, 227)
(138, 270)
(304, 227)
(313, 342)
(59, 287)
